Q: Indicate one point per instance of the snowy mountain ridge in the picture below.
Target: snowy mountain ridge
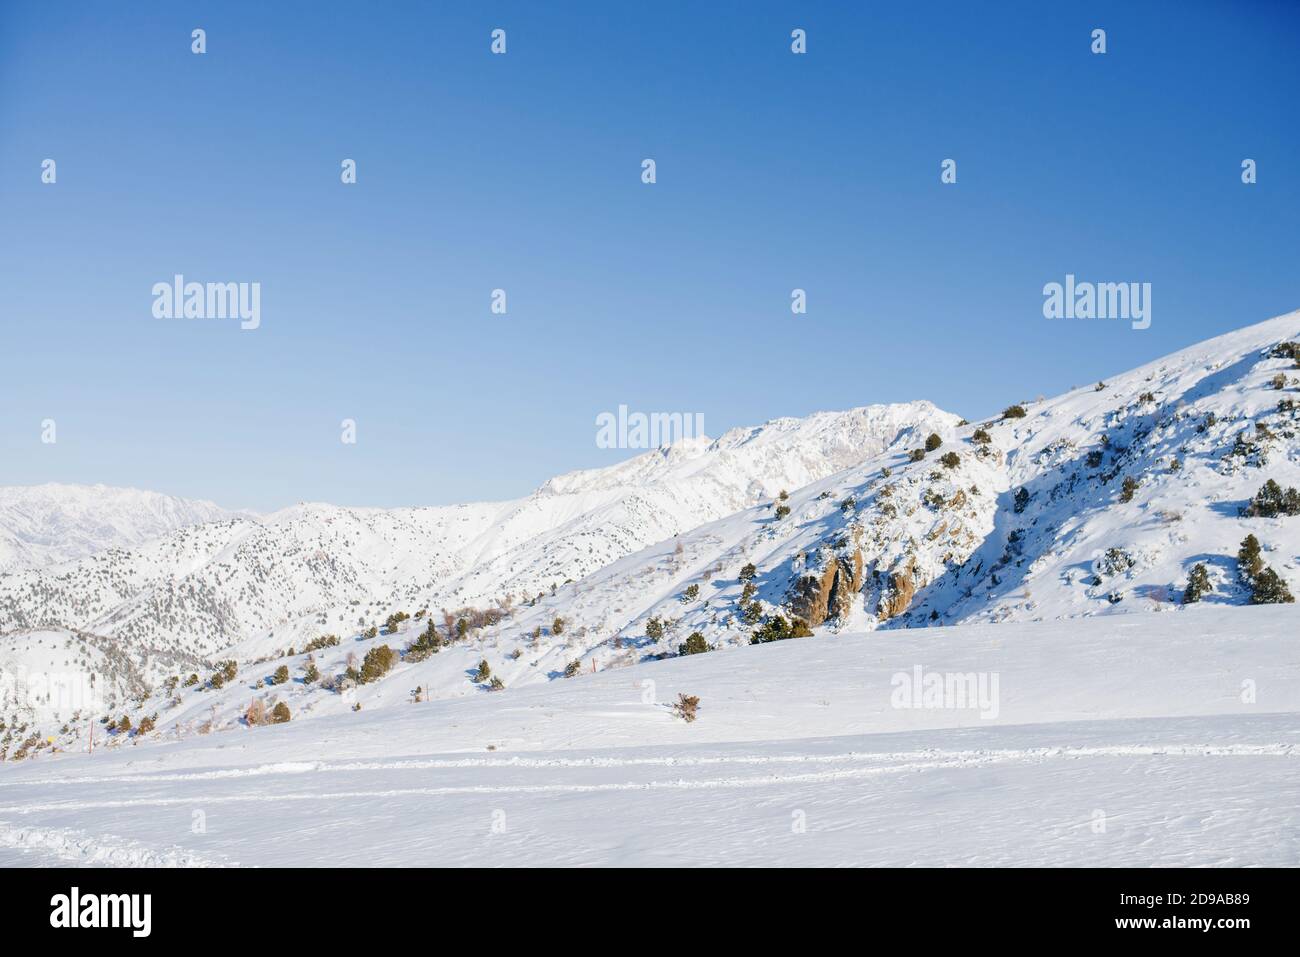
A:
(1100, 502)
(42, 525)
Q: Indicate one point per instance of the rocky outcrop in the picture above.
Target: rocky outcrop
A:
(816, 597)
(901, 589)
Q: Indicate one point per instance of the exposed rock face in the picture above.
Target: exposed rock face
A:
(817, 597)
(902, 589)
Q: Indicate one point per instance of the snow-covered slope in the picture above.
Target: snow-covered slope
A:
(1148, 740)
(43, 525)
(1096, 503)
(318, 567)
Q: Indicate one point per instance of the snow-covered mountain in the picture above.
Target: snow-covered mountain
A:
(312, 567)
(1102, 501)
(43, 525)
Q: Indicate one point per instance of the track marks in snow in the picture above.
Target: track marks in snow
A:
(68, 846)
(870, 764)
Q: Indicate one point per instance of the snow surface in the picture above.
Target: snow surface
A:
(1179, 734)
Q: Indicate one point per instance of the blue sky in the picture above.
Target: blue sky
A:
(522, 172)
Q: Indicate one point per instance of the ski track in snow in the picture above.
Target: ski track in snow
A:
(999, 754)
(904, 762)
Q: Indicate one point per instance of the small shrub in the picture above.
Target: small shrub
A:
(496, 684)
(1115, 561)
(748, 572)
(310, 673)
(319, 644)
(280, 713)
(654, 628)
(686, 707)
(484, 671)
(916, 455)
(692, 592)
(1013, 412)
(572, 668)
(932, 441)
(1127, 490)
(1279, 381)
(281, 675)
(557, 626)
(1021, 500)
(950, 460)
(255, 713)
(980, 437)
(782, 511)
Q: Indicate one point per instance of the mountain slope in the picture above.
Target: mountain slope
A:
(294, 573)
(43, 525)
(1073, 509)
(1103, 743)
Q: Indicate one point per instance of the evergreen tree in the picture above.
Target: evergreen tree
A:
(694, 645)
(1249, 561)
(1269, 589)
(1198, 584)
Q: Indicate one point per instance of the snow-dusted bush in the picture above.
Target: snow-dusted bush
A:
(1112, 562)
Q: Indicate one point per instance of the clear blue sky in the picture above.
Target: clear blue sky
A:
(522, 171)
